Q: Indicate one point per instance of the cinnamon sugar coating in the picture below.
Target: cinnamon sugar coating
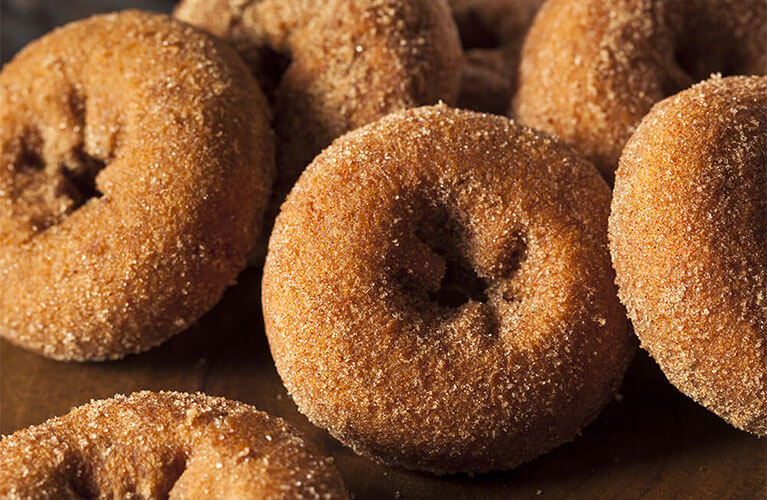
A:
(492, 32)
(165, 445)
(688, 236)
(438, 292)
(335, 65)
(591, 69)
(136, 159)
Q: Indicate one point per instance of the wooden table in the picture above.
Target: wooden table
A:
(650, 442)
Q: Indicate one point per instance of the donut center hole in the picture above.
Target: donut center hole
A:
(172, 471)
(460, 282)
(78, 179)
(459, 285)
(475, 32)
(83, 486)
(47, 190)
(443, 267)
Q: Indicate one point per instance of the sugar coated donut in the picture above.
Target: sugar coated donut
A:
(165, 445)
(591, 69)
(438, 292)
(688, 236)
(135, 164)
(491, 32)
(336, 65)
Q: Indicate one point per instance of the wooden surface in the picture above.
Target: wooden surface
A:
(651, 442)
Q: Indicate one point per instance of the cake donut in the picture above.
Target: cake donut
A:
(136, 160)
(688, 236)
(332, 66)
(492, 32)
(591, 69)
(438, 292)
(165, 445)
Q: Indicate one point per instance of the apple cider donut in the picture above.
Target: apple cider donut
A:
(165, 445)
(438, 292)
(688, 236)
(335, 65)
(591, 69)
(136, 160)
(492, 32)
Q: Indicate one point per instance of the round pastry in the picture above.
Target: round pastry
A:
(165, 445)
(688, 236)
(135, 165)
(332, 66)
(492, 32)
(438, 292)
(592, 69)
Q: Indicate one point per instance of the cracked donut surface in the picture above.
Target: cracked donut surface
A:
(165, 445)
(688, 237)
(438, 292)
(136, 160)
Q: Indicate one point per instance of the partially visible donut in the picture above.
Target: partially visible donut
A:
(688, 235)
(136, 160)
(336, 65)
(165, 445)
(591, 69)
(438, 292)
(492, 32)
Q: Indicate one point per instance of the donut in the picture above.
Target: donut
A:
(438, 292)
(165, 445)
(590, 70)
(332, 66)
(688, 238)
(136, 160)
(492, 32)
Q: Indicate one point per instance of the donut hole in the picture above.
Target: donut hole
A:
(449, 271)
(51, 189)
(78, 178)
(459, 281)
(475, 33)
(172, 471)
(81, 481)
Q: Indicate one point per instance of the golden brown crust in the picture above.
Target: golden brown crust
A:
(688, 236)
(99, 262)
(592, 69)
(350, 62)
(165, 445)
(492, 32)
(381, 333)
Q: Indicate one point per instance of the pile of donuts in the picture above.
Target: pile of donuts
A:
(465, 203)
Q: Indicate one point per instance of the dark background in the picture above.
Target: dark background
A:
(21, 21)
